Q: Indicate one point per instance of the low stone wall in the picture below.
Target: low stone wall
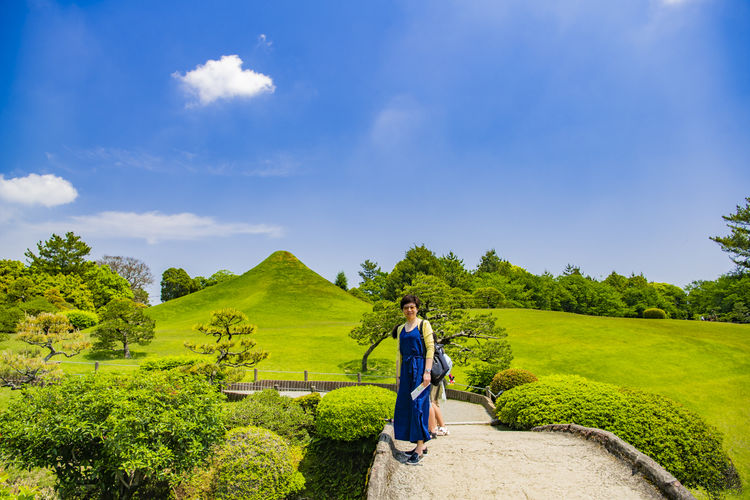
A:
(639, 462)
(383, 465)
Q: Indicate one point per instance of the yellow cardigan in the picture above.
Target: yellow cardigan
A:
(429, 343)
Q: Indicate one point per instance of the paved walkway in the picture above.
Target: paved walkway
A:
(481, 461)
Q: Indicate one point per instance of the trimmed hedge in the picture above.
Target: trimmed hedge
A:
(272, 411)
(510, 378)
(81, 319)
(219, 376)
(663, 429)
(356, 412)
(309, 403)
(256, 464)
(654, 313)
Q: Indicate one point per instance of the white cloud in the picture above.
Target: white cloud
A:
(48, 190)
(224, 79)
(155, 226)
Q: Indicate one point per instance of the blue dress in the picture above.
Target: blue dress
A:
(410, 416)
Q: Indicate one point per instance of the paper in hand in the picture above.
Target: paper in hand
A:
(418, 390)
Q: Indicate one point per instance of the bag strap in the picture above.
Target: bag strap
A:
(434, 338)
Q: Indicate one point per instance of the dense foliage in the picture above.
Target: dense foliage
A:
(176, 282)
(510, 378)
(337, 469)
(114, 436)
(81, 319)
(272, 411)
(498, 283)
(676, 438)
(356, 412)
(255, 464)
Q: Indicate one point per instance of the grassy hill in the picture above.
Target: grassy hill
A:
(303, 320)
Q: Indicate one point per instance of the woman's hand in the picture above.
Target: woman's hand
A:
(426, 379)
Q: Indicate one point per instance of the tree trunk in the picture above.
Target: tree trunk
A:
(126, 346)
(369, 351)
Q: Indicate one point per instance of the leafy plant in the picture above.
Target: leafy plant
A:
(352, 413)
(654, 313)
(510, 378)
(272, 411)
(256, 464)
(81, 319)
(114, 436)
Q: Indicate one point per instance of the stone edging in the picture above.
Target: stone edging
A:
(645, 465)
(383, 465)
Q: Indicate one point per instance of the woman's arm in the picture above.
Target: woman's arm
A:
(429, 344)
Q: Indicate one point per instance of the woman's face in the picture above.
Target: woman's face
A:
(410, 311)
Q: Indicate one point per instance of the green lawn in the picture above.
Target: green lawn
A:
(303, 321)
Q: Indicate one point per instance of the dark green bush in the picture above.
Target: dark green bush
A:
(488, 297)
(10, 316)
(272, 411)
(113, 436)
(256, 464)
(654, 313)
(81, 319)
(355, 412)
(510, 378)
(309, 403)
(337, 470)
(676, 438)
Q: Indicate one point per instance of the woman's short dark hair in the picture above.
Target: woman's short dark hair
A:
(411, 299)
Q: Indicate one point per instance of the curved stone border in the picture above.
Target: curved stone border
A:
(383, 464)
(643, 464)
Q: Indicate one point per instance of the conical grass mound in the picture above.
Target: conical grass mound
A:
(303, 319)
(280, 291)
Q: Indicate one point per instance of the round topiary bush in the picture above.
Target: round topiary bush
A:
(488, 297)
(272, 411)
(81, 319)
(256, 464)
(676, 438)
(355, 412)
(654, 313)
(510, 378)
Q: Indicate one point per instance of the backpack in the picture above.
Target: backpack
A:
(441, 363)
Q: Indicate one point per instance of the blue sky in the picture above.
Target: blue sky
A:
(206, 135)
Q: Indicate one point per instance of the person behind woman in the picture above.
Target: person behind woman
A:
(415, 353)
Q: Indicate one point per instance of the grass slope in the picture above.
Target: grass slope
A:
(704, 365)
(303, 320)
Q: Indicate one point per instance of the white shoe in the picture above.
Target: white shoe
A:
(442, 431)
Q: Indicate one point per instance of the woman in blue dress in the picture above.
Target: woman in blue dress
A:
(415, 352)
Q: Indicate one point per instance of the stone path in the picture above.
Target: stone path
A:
(481, 461)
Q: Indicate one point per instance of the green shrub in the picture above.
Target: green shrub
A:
(81, 319)
(113, 436)
(352, 413)
(218, 375)
(256, 464)
(481, 374)
(659, 427)
(309, 403)
(10, 316)
(272, 411)
(510, 378)
(488, 297)
(654, 313)
(337, 470)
